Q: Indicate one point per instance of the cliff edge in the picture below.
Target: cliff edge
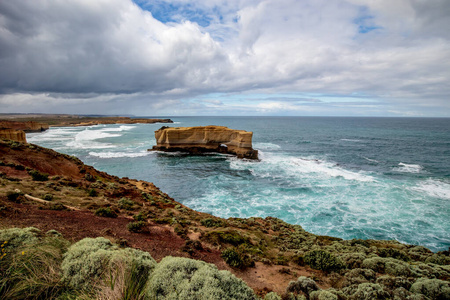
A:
(202, 139)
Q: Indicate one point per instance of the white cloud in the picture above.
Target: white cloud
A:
(113, 54)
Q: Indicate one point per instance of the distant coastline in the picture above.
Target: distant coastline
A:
(63, 120)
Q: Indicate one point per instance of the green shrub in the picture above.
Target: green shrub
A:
(48, 197)
(140, 216)
(89, 177)
(38, 176)
(272, 296)
(352, 260)
(125, 203)
(323, 295)
(237, 259)
(438, 260)
(90, 260)
(15, 237)
(358, 276)
(56, 206)
(390, 266)
(393, 253)
(186, 279)
(92, 193)
(375, 263)
(370, 291)
(302, 285)
(394, 282)
(106, 212)
(191, 246)
(14, 196)
(432, 288)
(19, 167)
(210, 222)
(137, 226)
(323, 260)
(228, 237)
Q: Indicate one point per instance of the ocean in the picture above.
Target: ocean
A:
(368, 178)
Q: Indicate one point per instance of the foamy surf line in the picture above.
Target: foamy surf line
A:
(110, 154)
(408, 168)
(298, 167)
(433, 188)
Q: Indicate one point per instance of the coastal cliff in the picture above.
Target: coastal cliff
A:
(27, 126)
(202, 139)
(12, 134)
(13, 130)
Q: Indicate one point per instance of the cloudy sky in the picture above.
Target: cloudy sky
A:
(226, 57)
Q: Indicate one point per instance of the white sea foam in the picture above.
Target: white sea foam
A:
(408, 168)
(119, 129)
(279, 166)
(110, 154)
(371, 160)
(53, 134)
(266, 146)
(86, 139)
(434, 188)
(351, 140)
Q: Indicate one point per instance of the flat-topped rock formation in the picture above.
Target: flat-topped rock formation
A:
(201, 139)
(27, 126)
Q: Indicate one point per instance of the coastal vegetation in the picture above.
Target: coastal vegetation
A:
(128, 238)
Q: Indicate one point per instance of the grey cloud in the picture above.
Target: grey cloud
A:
(112, 52)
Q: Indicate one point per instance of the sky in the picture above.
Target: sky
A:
(226, 57)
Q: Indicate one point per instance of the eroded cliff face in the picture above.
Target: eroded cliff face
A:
(202, 139)
(28, 126)
(12, 134)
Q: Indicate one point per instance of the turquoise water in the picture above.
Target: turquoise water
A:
(380, 178)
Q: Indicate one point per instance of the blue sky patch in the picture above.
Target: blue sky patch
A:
(167, 12)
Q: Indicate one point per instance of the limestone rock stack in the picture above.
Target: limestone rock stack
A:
(203, 139)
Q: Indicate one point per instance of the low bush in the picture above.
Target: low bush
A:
(323, 295)
(90, 261)
(141, 216)
(228, 237)
(370, 291)
(393, 253)
(14, 196)
(303, 285)
(186, 279)
(210, 222)
(191, 246)
(432, 288)
(438, 260)
(235, 258)
(138, 226)
(272, 296)
(92, 193)
(48, 197)
(89, 177)
(56, 206)
(323, 260)
(38, 176)
(106, 212)
(125, 203)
